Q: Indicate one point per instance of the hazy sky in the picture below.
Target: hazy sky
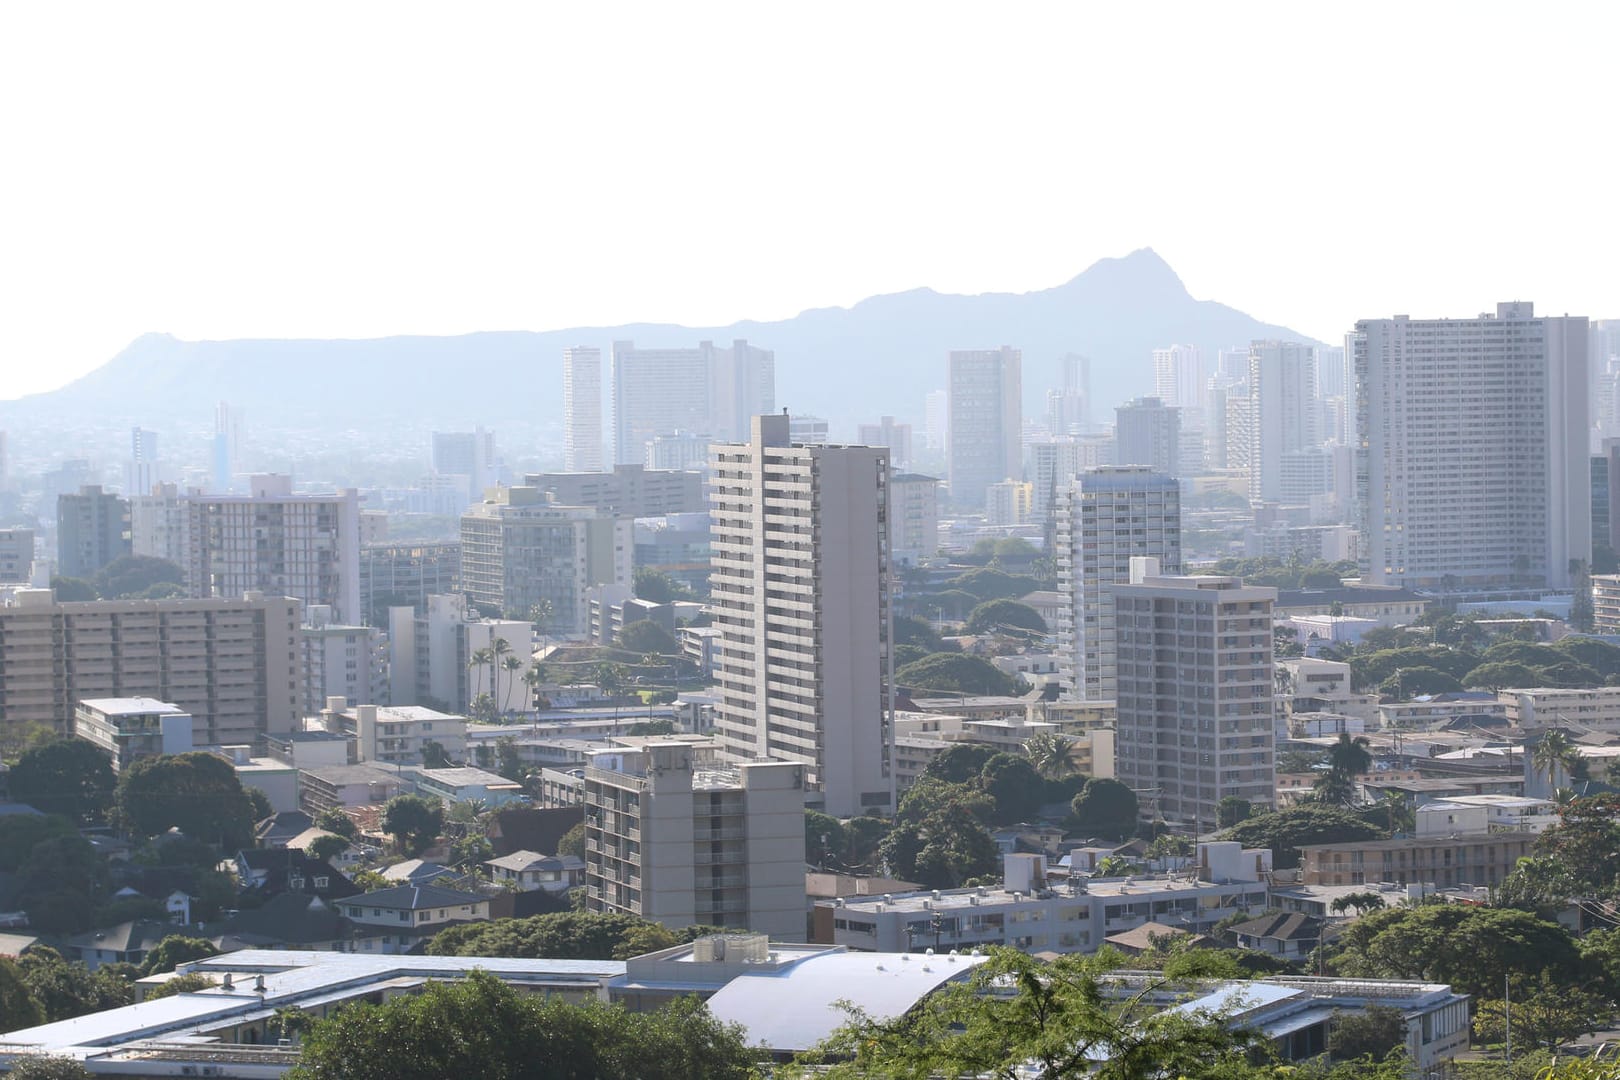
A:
(223, 170)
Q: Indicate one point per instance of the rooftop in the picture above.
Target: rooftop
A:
(115, 706)
(414, 898)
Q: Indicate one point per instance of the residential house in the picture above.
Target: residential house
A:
(530, 870)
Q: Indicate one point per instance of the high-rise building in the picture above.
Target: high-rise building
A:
(141, 473)
(680, 451)
(808, 431)
(16, 556)
(339, 661)
(1054, 463)
(231, 663)
(1148, 432)
(891, 433)
(1104, 519)
(277, 543)
(706, 390)
(582, 409)
(1331, 378)
(520, 553)
(936, 419)
(673, 836)
(986, 421)
(1474, 467)
(430, 652)
(1283, 416)
(1008, 502)
(1074, 387)
(800, 591)
(226, 449)
(92, 529)
(158, 520)
(469, 455)
(913, 517)
(1195, 695)
(398, 573)
(1178, 376)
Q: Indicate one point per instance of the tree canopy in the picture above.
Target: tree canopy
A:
(66, 776)
(1005, 616)
(564, 935)
(1286, 831)
(413, 822)
(195, 792)
(1105, 807)
(648, 638)
(480, 1027)
(955, 673)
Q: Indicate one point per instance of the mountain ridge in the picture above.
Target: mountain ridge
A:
(877, 356)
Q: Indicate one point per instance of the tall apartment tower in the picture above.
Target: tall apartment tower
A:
(142, 471)
(799, 588)
(158, 522)
(1105, 518)
(226, 449)
(936, 419)
(888, 432)
(913, 518)
(469, 455)
(986, 422)
(1283, 415)
(673, 836)
(1178, 376)
(582, 409)
(277, 543)
(1148, 432)
(1472, 465)
(92, 529)
(706, 390)
(1194, 707)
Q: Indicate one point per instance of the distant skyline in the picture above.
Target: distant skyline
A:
(367, 170)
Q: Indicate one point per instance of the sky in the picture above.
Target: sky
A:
(358, 170)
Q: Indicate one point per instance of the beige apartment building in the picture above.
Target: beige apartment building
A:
(232, 664)
(673, 836)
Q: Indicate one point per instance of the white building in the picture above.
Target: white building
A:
(1054, 463)
(913, 517)
(890, 433)
(705, 389)
(132, 728)
(681, 451)
(341, 661)
(1474, 468)
(468, 458)
(1477, 815)
(582, 409)
(1178, 376)
(1008, 502)
(800, 588)
(1596, 707)
(986, 421)
(673, 837)
(395, 734)
(1195, 685)
(1104, 519)
(519, 552)
(1283, 415)
(159, 519)
(16, 556)
(431, 653)
(277, 543)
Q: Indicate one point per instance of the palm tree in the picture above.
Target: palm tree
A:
(510, 665)
(480, 659)
(1553, 752)
(533, 676)
(497, 652)
(1349, 756)
(1048, 751)
(1399, 811)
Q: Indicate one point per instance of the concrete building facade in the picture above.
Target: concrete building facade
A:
(913, 517)
(673, 837)
(92, 529)
(231, 664)
(630, 490)
(582, 409)
(1195, 706)
(1147, 432)
(707, 390)
(1105, 518)
(800, 590)
(1283, 417)
(985, 426)
(1473, 466)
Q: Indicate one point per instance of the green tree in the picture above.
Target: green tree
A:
(327, 848)
(413, 822)
(864, 835)
(989, 584)
(652, 727)
(195, 792)
(1105, 807)
(1006, 617)
(1554, 753)
(70, 589)
(1015, 785)
(657, 587)
(20, 832)
(60, 883)
(47, 1067)
(135, 575)
(1472, 948)
(1496, 676)
(336, 821)
(1286, 831)
(567, 935)
(960, 763)
(64, 990)
(177, 949)
(955, 673)
(929, 796)
(434, 755)
(1016, 1016)
(648, 638)
(1231, 810)
(509, 760)
(1049, 752)
(480, 1027)
(1586, 843)
(941, 851)
(68, 776)
(909, 630)
(1373, 1032)
(1545, 1013)
(824, 840)
(572, 842)
(18, 1009)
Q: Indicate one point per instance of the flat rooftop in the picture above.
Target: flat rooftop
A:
(119, 706)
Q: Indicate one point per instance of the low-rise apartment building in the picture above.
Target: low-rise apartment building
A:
(129, 729)
(1443, 861)
(395, 734)
(1545, 706)
(673, 836)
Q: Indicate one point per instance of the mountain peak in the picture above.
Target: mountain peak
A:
(1143, 270)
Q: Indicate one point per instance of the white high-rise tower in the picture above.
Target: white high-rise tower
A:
(582, 409)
